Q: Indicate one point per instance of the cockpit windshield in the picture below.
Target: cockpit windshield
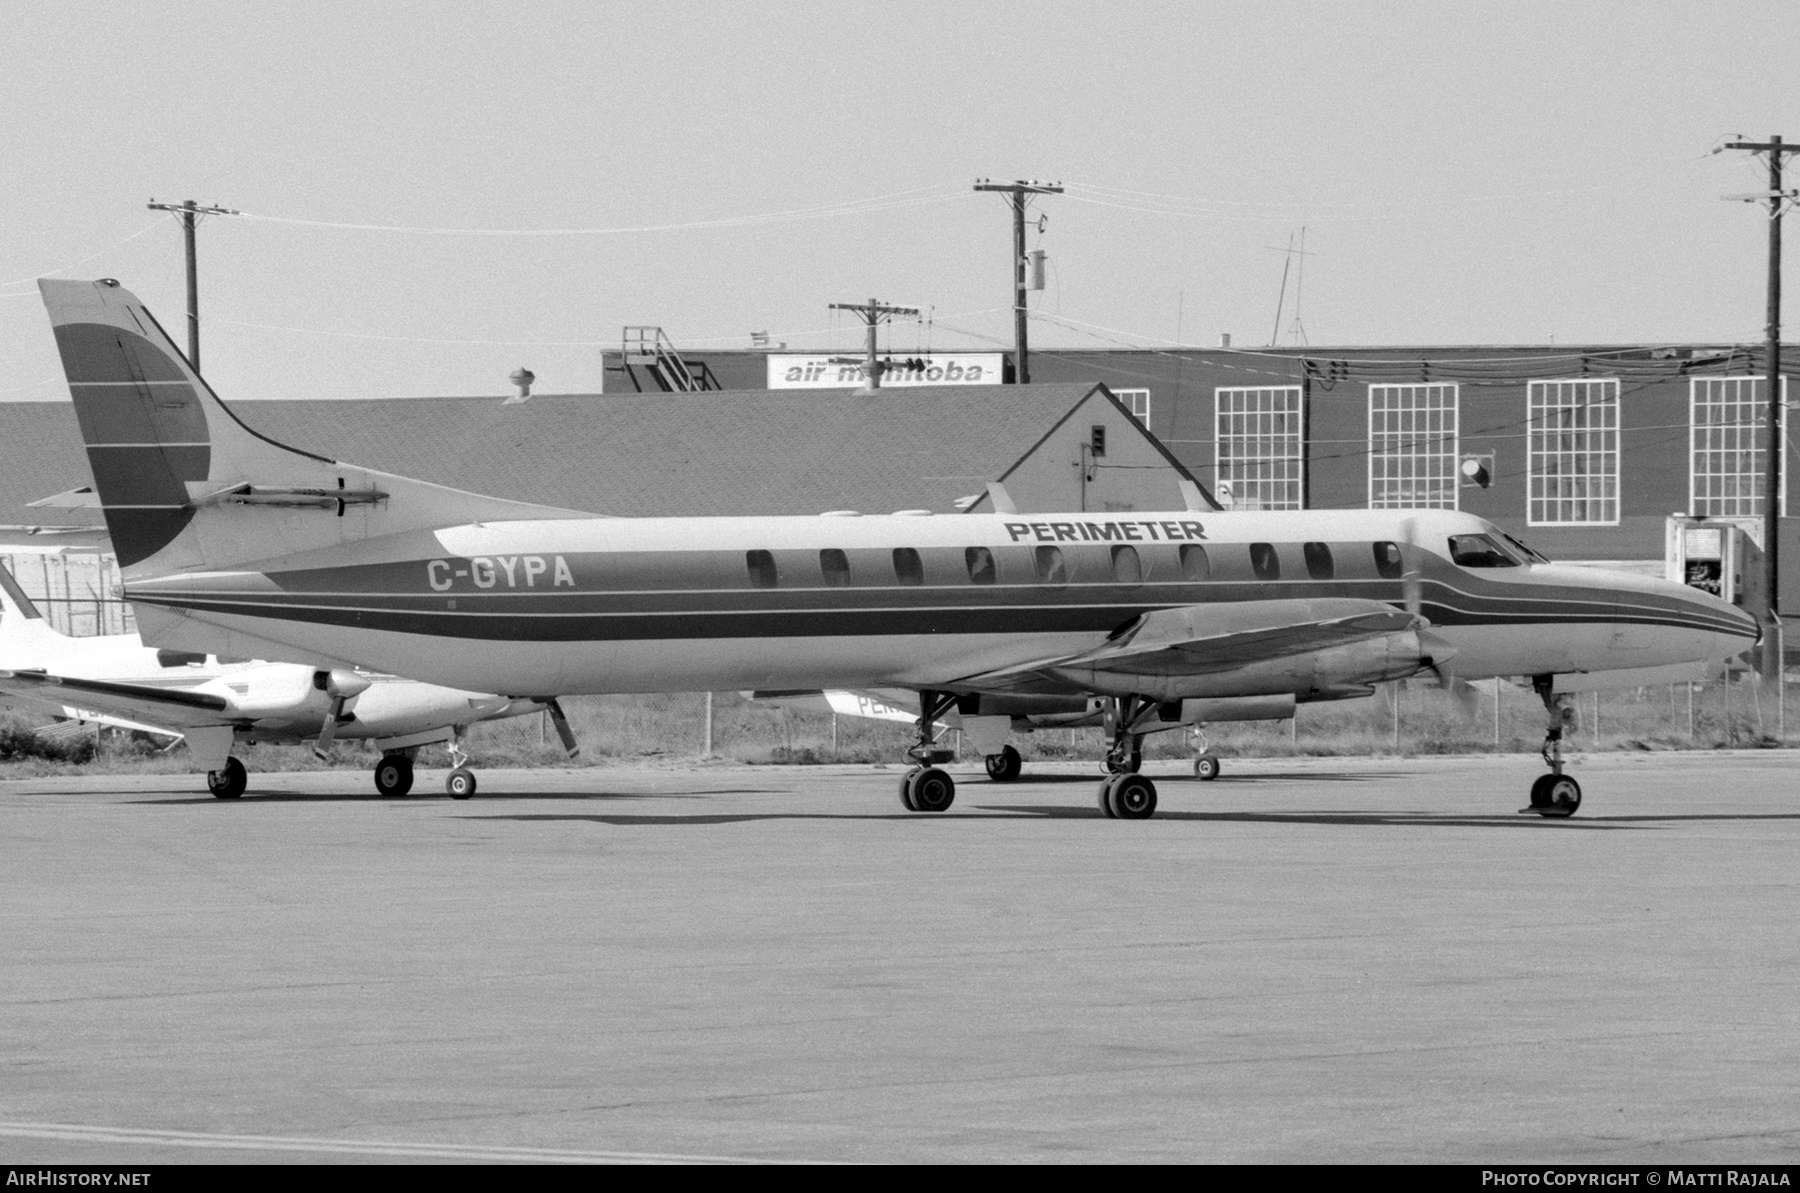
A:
(1480, 551)
(1527, 553)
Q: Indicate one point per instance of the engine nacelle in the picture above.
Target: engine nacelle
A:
(1371, 660)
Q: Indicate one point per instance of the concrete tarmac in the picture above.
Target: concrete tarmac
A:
(1322, 960)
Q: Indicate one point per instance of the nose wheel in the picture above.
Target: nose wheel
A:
(1554, 796)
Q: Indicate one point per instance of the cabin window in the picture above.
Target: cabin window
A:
(834, 565)
(1264, 562)
(1318, 561)
(1524, 552)
(907, 568)
(1126, 567)
(1050, 566)
(1195, 567)
(981, 565)
(1388, 563)
(761, 566)
(1479, 551)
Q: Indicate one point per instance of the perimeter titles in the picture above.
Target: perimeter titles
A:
(1101, 532)
(499, 571)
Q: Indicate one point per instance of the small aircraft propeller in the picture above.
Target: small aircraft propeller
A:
(342, 686)
(1436, 649)
(564, 734)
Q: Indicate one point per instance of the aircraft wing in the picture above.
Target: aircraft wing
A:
(174, 707)
(1199, 640)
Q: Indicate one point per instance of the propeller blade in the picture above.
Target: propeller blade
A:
(328, 730)
(564, 734)
(1409, 579)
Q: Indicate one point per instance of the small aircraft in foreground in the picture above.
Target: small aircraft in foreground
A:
(114, 679)
(231, 543)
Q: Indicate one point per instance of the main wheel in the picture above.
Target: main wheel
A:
(461, 783)
(1132, 797)
(906, 782)
(1562, 795)
(932, 790)
(394, 775)
(1206, 767)
(1539, 799)
(229, 781)
(1005, 766)
(1104, 796)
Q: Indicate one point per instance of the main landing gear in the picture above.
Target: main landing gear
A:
(1554, 795)
(926, 788)
(229, 781)
(394, 774)
(1124, 794)
(1005, 766)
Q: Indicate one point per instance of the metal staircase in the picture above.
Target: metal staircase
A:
(649, 348)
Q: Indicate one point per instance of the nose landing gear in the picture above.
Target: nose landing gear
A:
(1555, 795)
(1206, 763)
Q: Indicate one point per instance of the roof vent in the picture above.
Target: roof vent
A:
(521, 377)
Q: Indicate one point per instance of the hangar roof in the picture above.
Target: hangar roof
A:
(749, 452)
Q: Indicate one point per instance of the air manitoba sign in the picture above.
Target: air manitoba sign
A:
(837, 372)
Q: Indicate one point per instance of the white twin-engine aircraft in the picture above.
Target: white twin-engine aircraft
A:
(114, 679)
(233, 544)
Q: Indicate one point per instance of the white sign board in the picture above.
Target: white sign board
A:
(799, 371)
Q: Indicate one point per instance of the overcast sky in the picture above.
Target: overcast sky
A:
(1465, 173)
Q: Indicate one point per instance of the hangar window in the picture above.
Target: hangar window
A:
(761, 566)
(980, 561)
(1728, 470)
(1319, 564)
(1264, 562)
(1137, 401)
(1050, 566)
(834, 565)
(1572, 452)
(907, 568)
(1195, 567)
(1257, 437)
(1389, 563)
(1413, 446)
(1126, 568)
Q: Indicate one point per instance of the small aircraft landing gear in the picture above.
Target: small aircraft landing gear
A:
(1124, 794)
(229, 781)
(394, 774)
(1128, 797)
(461, 782)
(1005, 766)
(1555, 795)
(925, 788)
(1206, 763)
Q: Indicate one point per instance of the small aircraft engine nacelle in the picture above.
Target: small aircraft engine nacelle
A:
(340, 684)
(1371, 660)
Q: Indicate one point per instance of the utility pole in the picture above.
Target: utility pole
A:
(874, 314)
(190, 213)
(1015, 193)
(1772, 662)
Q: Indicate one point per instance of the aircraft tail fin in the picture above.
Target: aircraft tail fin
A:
(185, 484)
(22, 625)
